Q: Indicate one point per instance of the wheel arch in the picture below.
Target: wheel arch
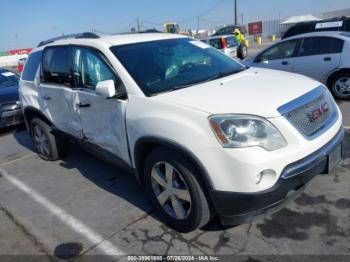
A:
(32, 112)
(145, 145)
(334, 74)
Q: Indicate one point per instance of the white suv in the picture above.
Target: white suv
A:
(204, 134)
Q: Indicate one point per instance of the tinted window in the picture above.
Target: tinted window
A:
(231, 42)
(7, 79)
(300, 29)
(320, 45)
(89, 68)
(31, 66)
(166, 65)
(346, 25)
(216, 43)
(283, 50)
(56, 66)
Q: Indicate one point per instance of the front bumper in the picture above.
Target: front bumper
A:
(11, 117)
(238, 208)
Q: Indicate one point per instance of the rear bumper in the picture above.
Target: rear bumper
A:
(238, 208)
(11, 117)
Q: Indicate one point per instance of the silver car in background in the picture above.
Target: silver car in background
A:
(226, 44)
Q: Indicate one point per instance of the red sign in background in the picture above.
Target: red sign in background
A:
(20, 51)
(255, 28)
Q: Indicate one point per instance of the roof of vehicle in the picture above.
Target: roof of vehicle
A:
(216, 37)
(339, 34)
(342, 18)
(112, 40)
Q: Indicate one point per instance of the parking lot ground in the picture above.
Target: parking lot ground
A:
(81, 206)
(345, 108)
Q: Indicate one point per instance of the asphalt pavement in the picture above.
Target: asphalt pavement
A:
(81, 206)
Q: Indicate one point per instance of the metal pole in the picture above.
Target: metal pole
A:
(138, 24)
(235, 4)
(197, 25)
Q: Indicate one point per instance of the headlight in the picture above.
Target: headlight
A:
(246, 131)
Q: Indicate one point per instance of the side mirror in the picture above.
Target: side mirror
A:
(262, 60)
(106, 89)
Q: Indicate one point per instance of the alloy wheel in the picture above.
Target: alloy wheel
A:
(171, 190)
(342, 87)
(40, 141)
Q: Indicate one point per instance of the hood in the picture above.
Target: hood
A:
(9, 94)
(254, 91)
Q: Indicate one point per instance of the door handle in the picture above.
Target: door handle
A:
(46, 97)
(327, 58)
(83, 105)
(285, 63)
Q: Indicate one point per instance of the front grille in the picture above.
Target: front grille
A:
(314, 116)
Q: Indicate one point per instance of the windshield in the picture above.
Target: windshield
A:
(166, 65)
(8, 79)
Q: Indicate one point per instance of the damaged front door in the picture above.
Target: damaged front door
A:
(102, 120)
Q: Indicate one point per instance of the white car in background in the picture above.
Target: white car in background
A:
(324, 56)
(204, 134)
(226, 44)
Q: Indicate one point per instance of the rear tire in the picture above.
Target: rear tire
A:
(178, 198)
(340, 86)
(48, 146)
(242, 51)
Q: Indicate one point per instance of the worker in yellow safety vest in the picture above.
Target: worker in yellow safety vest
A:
(239, 36)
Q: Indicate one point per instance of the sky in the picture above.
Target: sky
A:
(24, 23)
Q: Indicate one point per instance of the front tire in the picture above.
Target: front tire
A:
(340, 86)
(47, 145)
(174, 191)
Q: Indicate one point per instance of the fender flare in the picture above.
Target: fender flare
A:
(144, 144)
(30, 112)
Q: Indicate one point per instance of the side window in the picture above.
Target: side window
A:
(89, 68)
(337, 45)
(283, 50)
(321, 45)
(56, 66)
(31, 66)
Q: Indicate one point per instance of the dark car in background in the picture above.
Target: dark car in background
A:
(10, 107)
(334, 24)
(228, 30)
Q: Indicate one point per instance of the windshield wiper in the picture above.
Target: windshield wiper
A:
(217, 76)
(171, 89)
(222, 74)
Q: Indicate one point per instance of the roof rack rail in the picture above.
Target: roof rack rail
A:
(76, 36)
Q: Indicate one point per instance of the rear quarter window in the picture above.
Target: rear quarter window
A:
(216, 43)
(31, 66)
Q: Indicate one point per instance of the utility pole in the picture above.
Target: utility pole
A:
(197, 25)
(242, 18)
(235, 4)
(138, 24)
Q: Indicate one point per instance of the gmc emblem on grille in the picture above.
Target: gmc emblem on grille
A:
(316, 113)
